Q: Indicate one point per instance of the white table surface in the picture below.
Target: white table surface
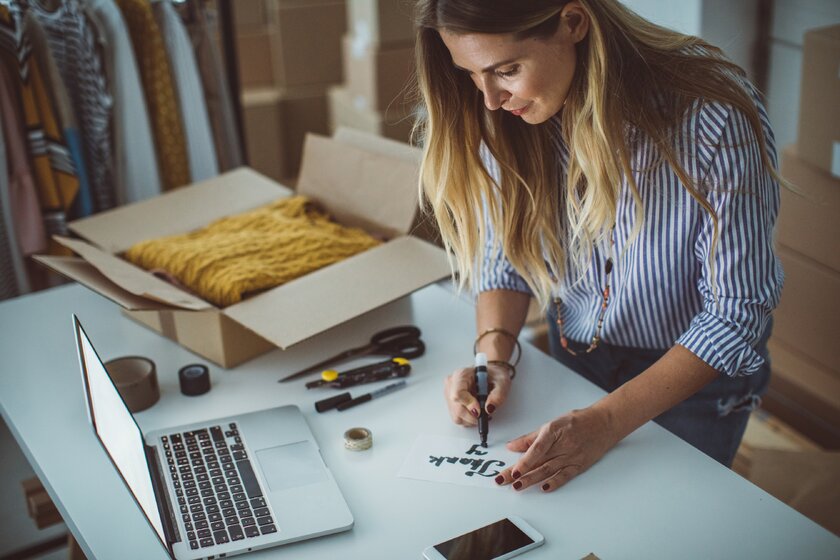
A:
(653, 496)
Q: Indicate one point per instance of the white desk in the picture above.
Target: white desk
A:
(651, 497)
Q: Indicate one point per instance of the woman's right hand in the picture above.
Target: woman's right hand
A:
(459, 390)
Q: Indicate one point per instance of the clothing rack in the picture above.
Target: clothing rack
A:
(228, 35)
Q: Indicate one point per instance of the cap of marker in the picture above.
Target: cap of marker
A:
(194, 379)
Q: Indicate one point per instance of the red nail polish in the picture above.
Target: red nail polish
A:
(500, 479)
(545, 487)
(516, 474)
(517, 485)
(490, 408)
(474, 412)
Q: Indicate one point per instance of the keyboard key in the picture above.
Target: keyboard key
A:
(194, 500)
(215, 471)
(191, 535)
(228, 512)
(221, 537)
(248, 521)
(262, 512)
(201, 524)
(188, 526)
(216, 433)
(218, 480)
(204, 485)
(202, 477)
(193, 545)
(207, 492)
(239, 496)
(236, 533)
(237, 447)
(249, 479)
(200, 516)
(252, 531)
(225, 503)
(185, 509)
(246, 513)
(224, 496)
(213, 508)
(231, 521)
(264, 520)
(257, 503)
(243, 505)
(204, 533)
(237, 488)
(239, 455)
(217, 525)
(206, 542)
(266, 529)
(214, 517)
(195, 508)
(209, 501)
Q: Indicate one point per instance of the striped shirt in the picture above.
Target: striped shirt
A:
(663, 289)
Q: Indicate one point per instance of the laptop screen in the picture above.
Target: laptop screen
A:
(117, 430)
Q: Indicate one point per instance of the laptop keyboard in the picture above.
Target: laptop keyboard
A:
(219, 497)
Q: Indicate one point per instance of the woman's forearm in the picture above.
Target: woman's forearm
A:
(672, 379)
(505, 309)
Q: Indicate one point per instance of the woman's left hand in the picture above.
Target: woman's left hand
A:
(560, 450)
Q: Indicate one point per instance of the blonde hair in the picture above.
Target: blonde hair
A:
(629, 71)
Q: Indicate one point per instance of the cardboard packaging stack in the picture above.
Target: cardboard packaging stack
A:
(361, 180)
(805, 388)
(378, 61)
(289, 53)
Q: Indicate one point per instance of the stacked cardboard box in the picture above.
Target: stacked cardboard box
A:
(805, 389)
(378, 61)
(289, 54)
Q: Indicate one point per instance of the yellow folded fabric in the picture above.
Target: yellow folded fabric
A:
(257, 250)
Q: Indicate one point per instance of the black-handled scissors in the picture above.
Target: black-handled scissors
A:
(397, 342)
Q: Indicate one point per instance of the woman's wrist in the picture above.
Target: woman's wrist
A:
(498, 344)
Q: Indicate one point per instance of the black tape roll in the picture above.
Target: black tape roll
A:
(194, 379)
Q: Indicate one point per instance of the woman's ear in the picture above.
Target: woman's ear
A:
(575, 21)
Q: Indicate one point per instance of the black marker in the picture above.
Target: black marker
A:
(370, 396)
(482, 386)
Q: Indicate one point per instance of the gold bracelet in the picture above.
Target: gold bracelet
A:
(508, 334)
(511, 368)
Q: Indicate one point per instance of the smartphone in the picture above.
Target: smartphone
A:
(503, 539)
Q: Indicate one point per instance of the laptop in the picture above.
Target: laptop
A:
(221, 487)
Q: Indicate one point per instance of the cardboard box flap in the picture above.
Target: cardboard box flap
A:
(359, 187)
(377, 144)
(133, 279)
(322, 299)
(179, 211)
(86, 274)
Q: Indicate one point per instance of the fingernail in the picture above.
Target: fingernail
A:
(517, 485)
(474, 412)
(516, 474)
(545, 487)
(490, 408)
(500, 479)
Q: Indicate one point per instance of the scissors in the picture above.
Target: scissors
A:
(397, 342)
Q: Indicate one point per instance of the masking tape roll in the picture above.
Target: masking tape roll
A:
(136, 380)
(358, 439)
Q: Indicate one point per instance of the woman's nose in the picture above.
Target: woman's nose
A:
(494, 97)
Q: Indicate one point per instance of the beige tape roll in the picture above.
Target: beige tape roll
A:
(358, 439)
(136, 380)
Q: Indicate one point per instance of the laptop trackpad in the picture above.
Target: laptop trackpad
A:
(291, 465)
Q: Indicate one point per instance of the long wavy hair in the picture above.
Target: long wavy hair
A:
(629, 72)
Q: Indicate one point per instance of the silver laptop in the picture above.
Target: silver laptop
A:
(220, 487)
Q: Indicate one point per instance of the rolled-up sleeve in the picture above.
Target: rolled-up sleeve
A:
(495, 271)
(742, 282)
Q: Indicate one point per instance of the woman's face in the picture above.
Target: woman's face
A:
(528, 77)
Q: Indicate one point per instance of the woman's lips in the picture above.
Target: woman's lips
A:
(521, 111)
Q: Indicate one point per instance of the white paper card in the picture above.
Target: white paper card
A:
(456, 461)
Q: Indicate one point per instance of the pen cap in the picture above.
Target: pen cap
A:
(481, 360)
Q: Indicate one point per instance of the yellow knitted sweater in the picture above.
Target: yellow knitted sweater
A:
(257, 250)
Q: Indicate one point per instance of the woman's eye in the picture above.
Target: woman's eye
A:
(509, 72)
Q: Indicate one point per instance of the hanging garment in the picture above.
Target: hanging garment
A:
(22, 192)
(159, 91)
(42, 56)
(202, 152)
(136, 168)
(55, 176)
(78, 55)
(200, 19)
(12, 273)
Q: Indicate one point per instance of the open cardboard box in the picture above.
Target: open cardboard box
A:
(362, 180)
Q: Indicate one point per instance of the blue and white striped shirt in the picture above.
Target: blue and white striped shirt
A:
(663, 289)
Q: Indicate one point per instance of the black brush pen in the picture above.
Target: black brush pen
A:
(481, 393)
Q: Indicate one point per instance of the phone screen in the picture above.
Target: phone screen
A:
(486, 543)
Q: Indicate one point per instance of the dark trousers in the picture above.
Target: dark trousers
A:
(713, 420)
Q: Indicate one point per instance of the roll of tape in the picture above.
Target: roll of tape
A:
(358, 439)
(194, 379)
(136, 380)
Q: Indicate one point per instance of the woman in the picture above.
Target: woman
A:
(622, 174)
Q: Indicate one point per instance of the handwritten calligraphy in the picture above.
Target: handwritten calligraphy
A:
(475, 466)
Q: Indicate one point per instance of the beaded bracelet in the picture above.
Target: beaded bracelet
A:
(508, 334)
(509, 366)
